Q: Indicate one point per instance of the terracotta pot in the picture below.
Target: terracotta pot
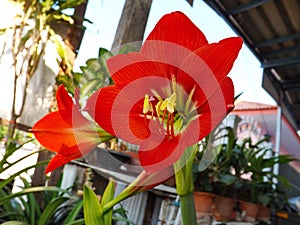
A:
(203, 202)
(223, 208)
(249, 211)
(264, 214)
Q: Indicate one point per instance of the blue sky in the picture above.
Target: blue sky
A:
(105, 14)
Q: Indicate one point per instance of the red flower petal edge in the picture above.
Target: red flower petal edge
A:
(66, 132)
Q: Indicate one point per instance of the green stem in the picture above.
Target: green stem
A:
(185, 186)
(187, 207)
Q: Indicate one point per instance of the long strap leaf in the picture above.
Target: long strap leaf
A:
(27, 191)
(13, 176)
(51, 209)
(92, 208)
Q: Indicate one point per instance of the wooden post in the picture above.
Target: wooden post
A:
(132, 24)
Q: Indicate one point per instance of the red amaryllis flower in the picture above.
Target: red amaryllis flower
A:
(66, 132)
(169, 95)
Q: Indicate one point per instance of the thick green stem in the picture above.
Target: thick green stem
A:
(187, 207)
(185, 186)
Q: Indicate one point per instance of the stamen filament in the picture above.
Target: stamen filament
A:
(188, 102)
(168, 123)
(152, 111)
(164, 115)
(172, 124)
(156, 95)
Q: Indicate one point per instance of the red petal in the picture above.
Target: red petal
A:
(133, 66)
(221, 56)
(53, 132)
(64, 100)
(119, 114)
(206, 70)
(177, 28)
(99, 106)
(159, 152)
(215, 109)
(67, 154)
(173, 38)
(57, 161)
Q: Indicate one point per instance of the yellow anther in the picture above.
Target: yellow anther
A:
(146, 107)
(169, 103)
(157, 108)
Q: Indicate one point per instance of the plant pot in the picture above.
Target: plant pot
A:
(249, 211)
(203, 202)
(223, 208)
(264, 214)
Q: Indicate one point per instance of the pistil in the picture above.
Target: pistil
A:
(173, 116)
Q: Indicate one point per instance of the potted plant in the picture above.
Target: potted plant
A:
(260, 191)
(241, 174)
(225, 168)
(203, 194)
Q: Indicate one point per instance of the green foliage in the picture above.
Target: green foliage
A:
(23, 208)
(237, 160)
(94, 213)
(92, 76)
(92, 208)
(119, 214)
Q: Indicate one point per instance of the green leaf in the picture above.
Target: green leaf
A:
(66, 81)
(108, 195)
(126, 49)
(31, 204)
(231, 138)
(120, 214)
(73, 214)
(122, 219)
(228, 179)
(95, 74)
(91, 86)
(264, 199)
(103, 51)
(17, 161)
(12, 177)
(14, 223)
(76, 222)
(26, 191)
(92, 208)
(51, 209)
(12, 210)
